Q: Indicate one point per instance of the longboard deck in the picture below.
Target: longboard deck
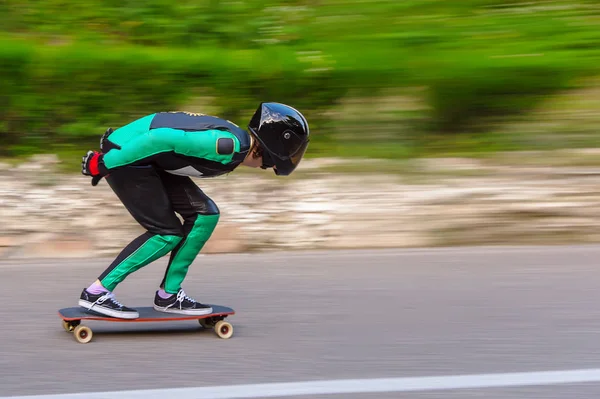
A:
(147, 314)
(72, 317)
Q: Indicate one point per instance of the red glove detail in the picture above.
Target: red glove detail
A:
(90, 164)
(93, 165)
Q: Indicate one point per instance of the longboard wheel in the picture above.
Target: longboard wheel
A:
(83, 334)
(224, 329)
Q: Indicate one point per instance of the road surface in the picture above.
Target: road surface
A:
(320, 316)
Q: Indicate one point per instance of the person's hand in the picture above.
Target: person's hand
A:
(104, 139)
(92, 165)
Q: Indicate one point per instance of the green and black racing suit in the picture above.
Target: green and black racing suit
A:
(149, 163)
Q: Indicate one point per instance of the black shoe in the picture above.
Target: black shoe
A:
(181, 304)
(107, 305)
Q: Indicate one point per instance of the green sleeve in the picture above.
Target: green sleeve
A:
(141, 149)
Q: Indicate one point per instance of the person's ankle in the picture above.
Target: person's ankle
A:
(96, 288)
(163, 294)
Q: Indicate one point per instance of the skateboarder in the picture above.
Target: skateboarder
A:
(148, 164)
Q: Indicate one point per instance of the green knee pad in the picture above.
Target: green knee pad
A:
(155, 248)
(178, 268)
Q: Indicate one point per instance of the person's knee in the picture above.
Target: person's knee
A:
(200, 210)
(203, 217)
(168, 233)
(206, 207)
(170, 241)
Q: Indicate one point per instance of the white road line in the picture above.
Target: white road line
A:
(410, 384)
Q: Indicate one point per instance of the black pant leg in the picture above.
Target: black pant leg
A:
(200, 215)
(141, 191)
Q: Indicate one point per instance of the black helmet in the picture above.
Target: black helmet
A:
(283, 134)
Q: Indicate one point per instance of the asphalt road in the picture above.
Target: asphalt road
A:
(318, 316)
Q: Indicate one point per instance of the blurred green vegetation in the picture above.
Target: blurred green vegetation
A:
(383, 78)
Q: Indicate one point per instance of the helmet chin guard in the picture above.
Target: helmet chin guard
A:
(267, 161)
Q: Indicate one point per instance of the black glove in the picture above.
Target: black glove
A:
(103, 139)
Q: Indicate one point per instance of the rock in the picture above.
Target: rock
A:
(445, 164)
(56, 246)
(226, 238)
(5, 167)
(406, 240)
(46, 160)
(514, 205)
(8, 241)
(318, 163)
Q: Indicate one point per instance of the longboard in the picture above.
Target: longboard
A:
(72, 317)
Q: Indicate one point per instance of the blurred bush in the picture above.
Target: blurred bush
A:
(469, 89)
(68, 69)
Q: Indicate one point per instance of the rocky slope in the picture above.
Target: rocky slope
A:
(449, 202)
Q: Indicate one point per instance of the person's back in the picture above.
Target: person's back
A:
(180, 143)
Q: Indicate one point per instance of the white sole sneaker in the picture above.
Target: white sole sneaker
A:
(197, 312)
(108, 312)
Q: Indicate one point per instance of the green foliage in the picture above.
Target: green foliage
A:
(70, 94)
(70, 69)
(15, 69)
(485, 87)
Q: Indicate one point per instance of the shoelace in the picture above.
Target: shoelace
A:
(181, 296)
(108, 296)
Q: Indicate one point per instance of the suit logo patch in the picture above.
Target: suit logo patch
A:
(225, 146)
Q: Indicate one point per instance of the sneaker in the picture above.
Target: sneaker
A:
(107, 305)
(181, 304)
